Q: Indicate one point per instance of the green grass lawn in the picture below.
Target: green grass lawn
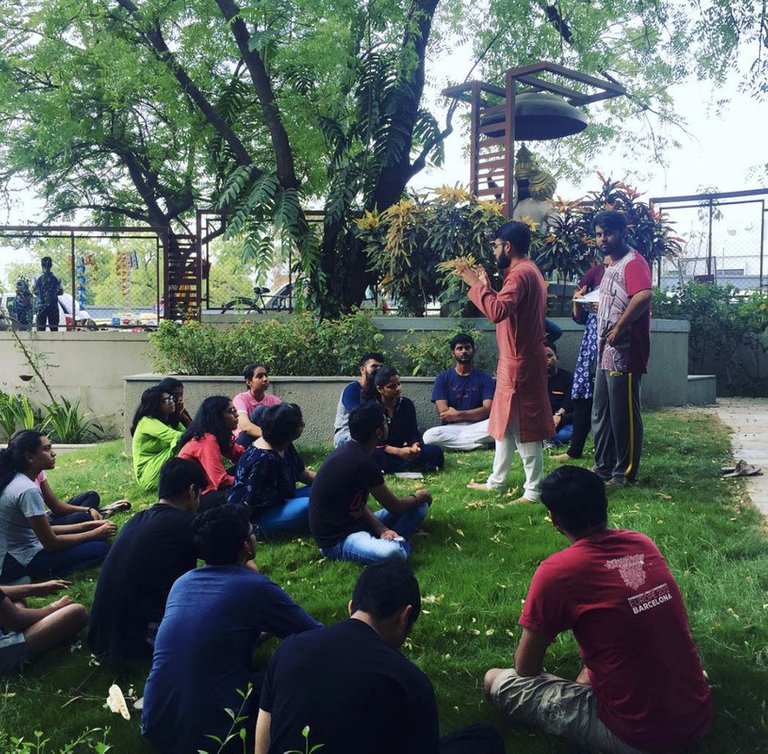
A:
(474, 564)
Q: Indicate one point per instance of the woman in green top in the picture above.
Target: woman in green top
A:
(154, 439)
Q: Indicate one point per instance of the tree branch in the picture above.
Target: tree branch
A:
(286, 171)
(155, 38)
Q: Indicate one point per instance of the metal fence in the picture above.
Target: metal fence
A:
(723, 239)
(111, 278)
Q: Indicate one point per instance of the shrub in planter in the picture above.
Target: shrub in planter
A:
(16, 412)
(298, 346)
(429, 354)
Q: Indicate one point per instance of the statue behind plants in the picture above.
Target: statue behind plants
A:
(407, 243)
(568, 246)
(535, 191)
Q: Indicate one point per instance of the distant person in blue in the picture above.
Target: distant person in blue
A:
(23, 305)
(351, 396)
(462, 396)
(214, 619)
(47, 289)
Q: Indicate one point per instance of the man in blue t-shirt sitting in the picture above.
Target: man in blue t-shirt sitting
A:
(214, 618)
(462, 396)
(352, 395)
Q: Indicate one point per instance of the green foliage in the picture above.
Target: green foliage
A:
(722, 323)
(569, 244)
(66, 422)
(308, 748)
(474, 565)
(63, 420)
(237, 729)
(16, 412)
(297, 346)
(146, 111)
(92, 740)
(426, 354)
(406, 242)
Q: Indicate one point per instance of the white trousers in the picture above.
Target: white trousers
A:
(459, 435)
(531, 454)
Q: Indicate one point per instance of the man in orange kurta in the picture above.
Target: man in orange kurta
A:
(520, 416)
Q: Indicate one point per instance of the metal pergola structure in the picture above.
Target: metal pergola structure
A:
(181, 271)
(711, 202)
(492, 144)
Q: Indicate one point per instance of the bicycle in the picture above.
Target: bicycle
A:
(246, 305)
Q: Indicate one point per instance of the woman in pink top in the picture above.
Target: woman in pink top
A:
(208, 441)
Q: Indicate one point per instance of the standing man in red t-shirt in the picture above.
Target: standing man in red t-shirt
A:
(642, 688)
(624, 342)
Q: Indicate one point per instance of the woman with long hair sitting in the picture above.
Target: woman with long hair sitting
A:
(268, 471)
(176, 389)
(404, 449)
(155, 435)
(209, 439)
(29, 545)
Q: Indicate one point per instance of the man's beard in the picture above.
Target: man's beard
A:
(503, 261)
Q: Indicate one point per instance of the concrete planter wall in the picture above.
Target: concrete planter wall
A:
(84, 366)
(91, 367)
(665, 385)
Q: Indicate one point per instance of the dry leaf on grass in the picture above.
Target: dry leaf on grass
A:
(116, 702)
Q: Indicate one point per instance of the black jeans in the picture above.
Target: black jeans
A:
(50, 315)
(582, 424)
(474, 739)
(89, 499)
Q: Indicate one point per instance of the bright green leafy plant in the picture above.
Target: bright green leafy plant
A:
(299, 346)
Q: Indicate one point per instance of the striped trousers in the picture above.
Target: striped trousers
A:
(617, 425)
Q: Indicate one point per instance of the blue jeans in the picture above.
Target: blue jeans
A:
(563, 435)
(88, 499)
(363, 547)
(47, 564)
(293, 515)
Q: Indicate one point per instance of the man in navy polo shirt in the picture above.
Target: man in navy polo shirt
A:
(462, 396)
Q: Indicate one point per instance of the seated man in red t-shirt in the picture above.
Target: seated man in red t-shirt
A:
(642, 687)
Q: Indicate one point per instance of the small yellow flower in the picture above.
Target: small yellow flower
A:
(369, 221)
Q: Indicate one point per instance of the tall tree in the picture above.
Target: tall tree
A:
(151, 108)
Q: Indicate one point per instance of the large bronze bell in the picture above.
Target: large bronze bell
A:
(538, 116)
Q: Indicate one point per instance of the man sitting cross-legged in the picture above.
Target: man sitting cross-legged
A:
(340, 520)
(352, 395)
(203, 654)
(642, 688)
(154, 548)
(354, 689)
(29, 631)
(462, 396)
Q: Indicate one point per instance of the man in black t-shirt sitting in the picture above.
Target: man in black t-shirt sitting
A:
(154, 548)
(341, 522)
(559, 383)
(353, 688)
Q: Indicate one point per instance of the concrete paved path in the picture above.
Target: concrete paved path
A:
(748, 418)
